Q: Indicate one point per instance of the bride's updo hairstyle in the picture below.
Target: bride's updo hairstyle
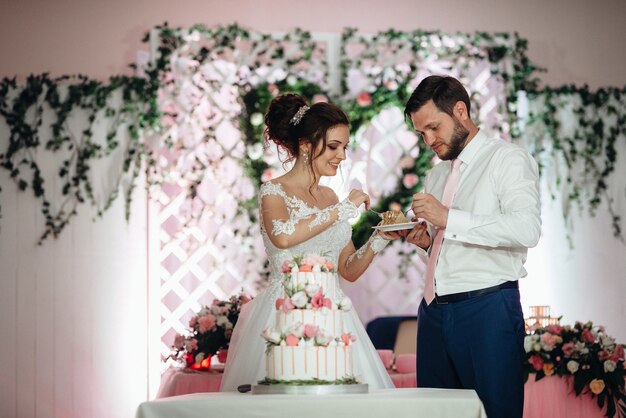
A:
(289, 119)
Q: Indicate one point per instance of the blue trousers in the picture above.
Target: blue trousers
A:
(475, 344)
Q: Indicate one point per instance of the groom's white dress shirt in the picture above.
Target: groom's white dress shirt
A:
(494, 217)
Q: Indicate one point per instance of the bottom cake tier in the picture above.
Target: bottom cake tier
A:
(287, 363)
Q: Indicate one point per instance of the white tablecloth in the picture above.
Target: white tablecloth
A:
(391, 403)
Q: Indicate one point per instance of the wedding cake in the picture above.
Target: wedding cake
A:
(308, 343)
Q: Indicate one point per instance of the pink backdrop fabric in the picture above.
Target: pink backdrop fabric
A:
(551, 397)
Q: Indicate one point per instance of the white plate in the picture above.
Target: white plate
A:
(395, 227)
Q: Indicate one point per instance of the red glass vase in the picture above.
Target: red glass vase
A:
(222, 355)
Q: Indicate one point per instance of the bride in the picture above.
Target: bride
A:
(299, 216)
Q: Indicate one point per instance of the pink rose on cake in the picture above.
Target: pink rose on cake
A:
(292, 340)
(305, 268)
(287, 266)
(311, 331)
(347, 338)
(319, 301)
(287, 305)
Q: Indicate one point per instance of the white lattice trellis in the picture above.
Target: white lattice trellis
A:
(210, 246)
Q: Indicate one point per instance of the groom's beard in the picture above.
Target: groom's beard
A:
(457, 141)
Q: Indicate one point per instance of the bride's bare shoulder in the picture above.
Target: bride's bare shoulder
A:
(330, 194)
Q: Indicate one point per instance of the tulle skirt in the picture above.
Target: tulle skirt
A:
(246, 354)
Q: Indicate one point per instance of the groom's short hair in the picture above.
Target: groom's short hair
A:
(444, 91)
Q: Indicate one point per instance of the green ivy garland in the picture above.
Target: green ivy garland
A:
(590, 151)
(65, 95)
(22, 108)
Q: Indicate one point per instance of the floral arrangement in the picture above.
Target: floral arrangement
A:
(209, 332)
(304, 335)
(307, 294)
(585, 353)
(308, 263)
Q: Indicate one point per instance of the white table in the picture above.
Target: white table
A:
(391, 403)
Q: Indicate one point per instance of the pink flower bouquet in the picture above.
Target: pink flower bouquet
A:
(585, 354)
(209, 332)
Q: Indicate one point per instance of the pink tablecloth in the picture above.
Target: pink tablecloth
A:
(181, 382)
(551, 397)
(554, 397)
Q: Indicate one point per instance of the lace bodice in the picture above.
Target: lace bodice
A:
(330, 242)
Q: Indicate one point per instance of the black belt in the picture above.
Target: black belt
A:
(457, 297)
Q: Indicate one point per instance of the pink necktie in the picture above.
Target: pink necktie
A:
(448, 195)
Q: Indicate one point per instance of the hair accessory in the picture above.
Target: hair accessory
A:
(299, 114)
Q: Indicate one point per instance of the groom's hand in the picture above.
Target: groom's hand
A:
(419, 235)
(426, 206)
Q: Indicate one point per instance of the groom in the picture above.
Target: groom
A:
(482, 213)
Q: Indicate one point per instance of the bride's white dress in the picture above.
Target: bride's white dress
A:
(246, 361)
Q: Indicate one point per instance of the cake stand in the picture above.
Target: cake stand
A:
(309, 389)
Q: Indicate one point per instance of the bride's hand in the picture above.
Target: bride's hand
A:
(391, 235)
(358, 198)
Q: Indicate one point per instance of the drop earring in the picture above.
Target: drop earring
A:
(306, 158)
